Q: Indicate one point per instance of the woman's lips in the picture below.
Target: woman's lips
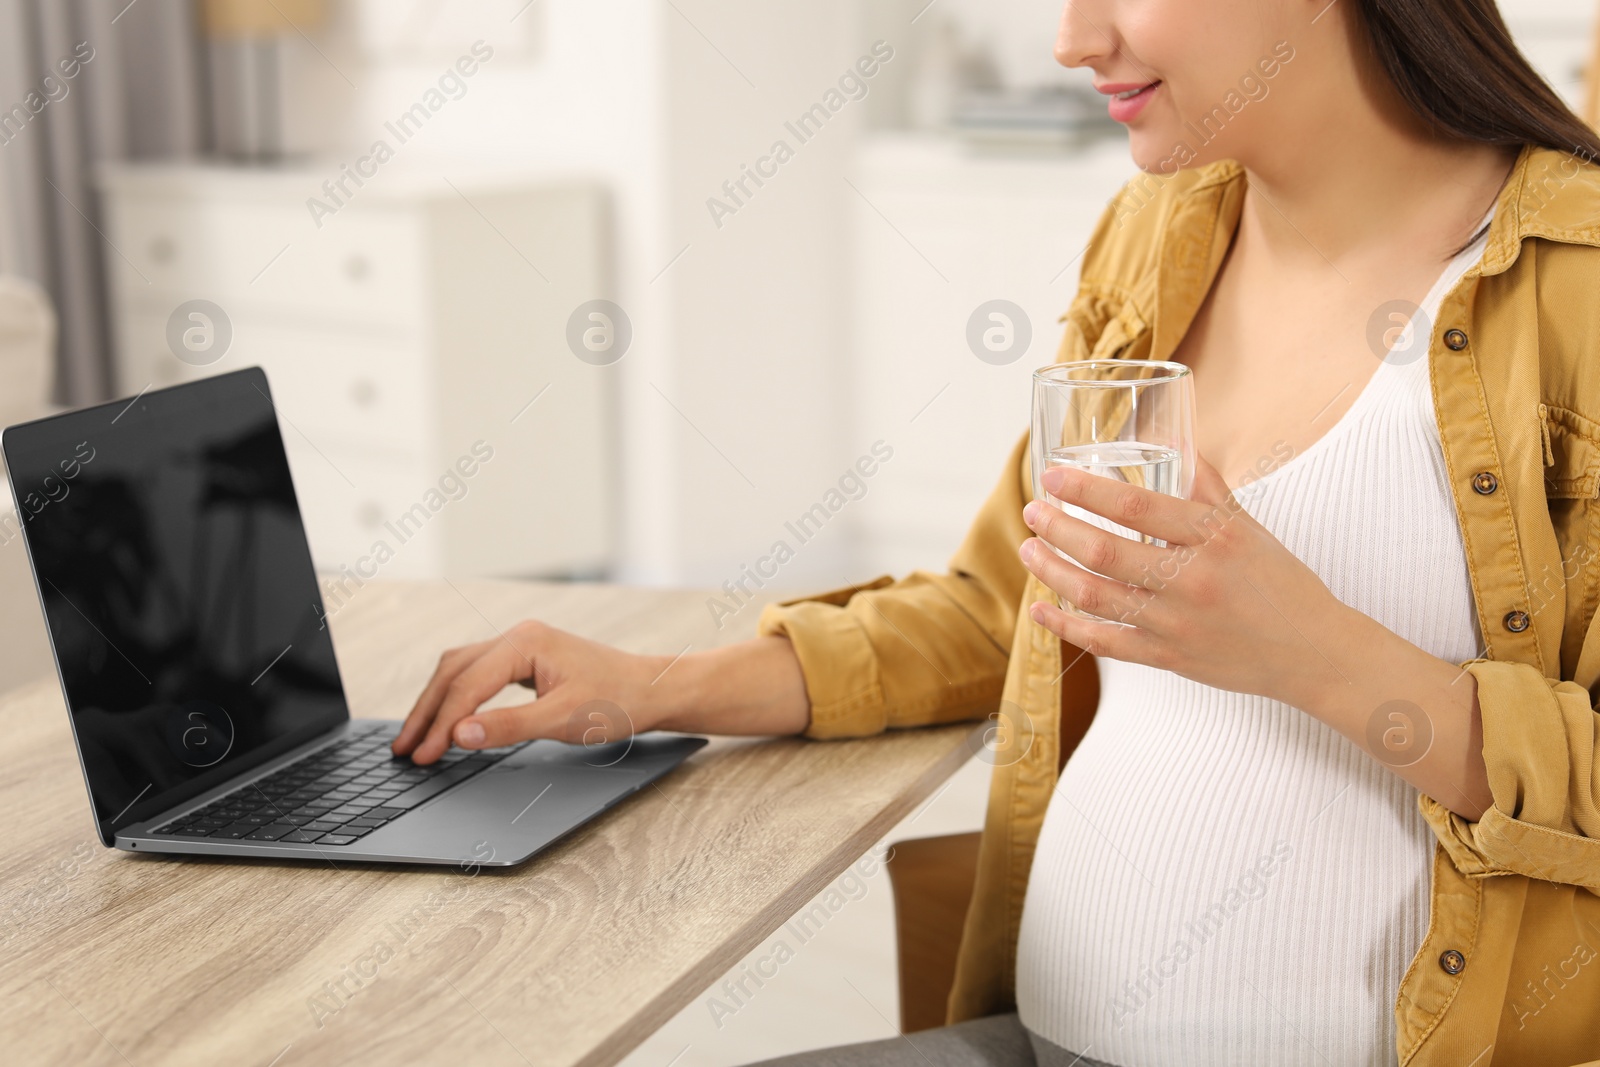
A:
(1126, 104)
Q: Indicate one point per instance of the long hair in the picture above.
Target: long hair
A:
(1455, 64)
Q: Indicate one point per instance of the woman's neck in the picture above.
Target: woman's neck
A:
(1357, 170)
(1347, 202)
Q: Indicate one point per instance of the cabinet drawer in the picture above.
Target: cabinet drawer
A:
(367, 517)
(347, 392)
(143, 360)
(340, 389)
(363, 266)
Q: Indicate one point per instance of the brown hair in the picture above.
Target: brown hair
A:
(1455, 64)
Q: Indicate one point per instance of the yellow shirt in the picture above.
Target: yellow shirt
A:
(1509, 973)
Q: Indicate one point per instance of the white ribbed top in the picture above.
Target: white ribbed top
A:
(1222, 879)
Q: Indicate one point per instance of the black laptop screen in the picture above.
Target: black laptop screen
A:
(177, 587)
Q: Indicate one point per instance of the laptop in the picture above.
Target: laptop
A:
(189, 636)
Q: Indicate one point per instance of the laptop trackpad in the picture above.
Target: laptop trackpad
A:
(507, 812)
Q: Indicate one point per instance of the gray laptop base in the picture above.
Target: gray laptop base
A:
(521, 804)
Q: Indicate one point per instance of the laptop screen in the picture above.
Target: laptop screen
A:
(177, 588)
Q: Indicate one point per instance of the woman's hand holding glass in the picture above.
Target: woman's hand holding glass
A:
(1224, 603)
(1217, 599)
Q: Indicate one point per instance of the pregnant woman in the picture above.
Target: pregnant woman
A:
(1335, 802)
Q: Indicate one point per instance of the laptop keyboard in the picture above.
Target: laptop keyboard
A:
(333, 795)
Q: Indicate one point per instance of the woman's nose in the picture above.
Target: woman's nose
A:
(1081, 37)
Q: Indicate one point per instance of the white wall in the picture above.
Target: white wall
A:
(760, 299)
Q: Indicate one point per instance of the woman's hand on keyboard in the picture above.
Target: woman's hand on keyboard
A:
(590, 693)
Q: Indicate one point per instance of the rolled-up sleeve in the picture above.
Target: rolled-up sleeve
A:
(928, 648)
(1540, 748)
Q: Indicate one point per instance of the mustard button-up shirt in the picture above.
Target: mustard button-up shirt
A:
(1509, 972)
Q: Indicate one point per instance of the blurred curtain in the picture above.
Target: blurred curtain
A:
(135, 92)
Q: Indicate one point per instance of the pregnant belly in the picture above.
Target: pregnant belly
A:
(1220, 879)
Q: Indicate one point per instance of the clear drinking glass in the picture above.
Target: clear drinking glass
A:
(1131, 420)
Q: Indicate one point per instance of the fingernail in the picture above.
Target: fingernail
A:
(470, 733)
(1029, 548)
(1030, 514)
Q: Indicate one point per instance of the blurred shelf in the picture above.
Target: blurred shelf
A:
(1051, 120)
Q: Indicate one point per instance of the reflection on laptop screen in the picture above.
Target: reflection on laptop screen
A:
(177, 588)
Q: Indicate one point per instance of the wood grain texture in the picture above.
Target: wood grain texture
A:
(572, 958)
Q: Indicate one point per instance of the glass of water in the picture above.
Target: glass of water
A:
(1131, 420)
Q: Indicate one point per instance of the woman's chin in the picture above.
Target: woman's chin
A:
(1153, 152)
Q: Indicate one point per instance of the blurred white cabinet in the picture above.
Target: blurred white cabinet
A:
(939, 232)
(419, 328)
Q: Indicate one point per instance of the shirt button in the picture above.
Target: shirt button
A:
(1453, 962)
(1455, 340)
(1485, 483)
(1517, 621)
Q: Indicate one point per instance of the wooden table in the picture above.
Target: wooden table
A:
(573, 958)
